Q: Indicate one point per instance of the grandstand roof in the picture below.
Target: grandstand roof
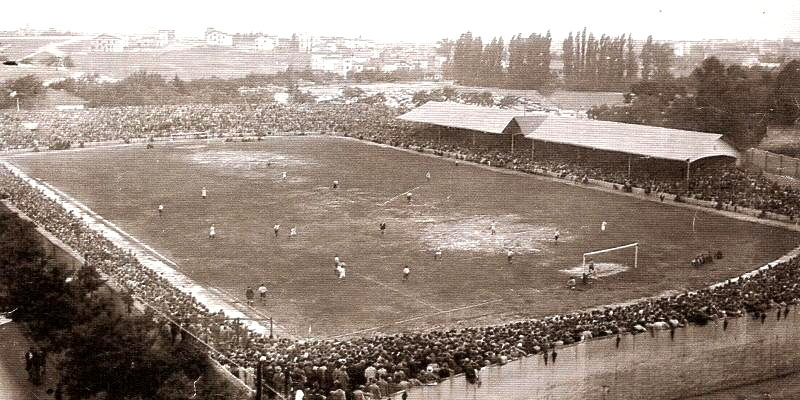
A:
(651, 141)
(463, 116)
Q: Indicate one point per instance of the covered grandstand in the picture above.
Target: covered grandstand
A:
(644, 150)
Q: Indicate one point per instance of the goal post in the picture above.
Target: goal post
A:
(627, 246)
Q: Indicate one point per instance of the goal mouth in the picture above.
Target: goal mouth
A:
(611, 261)
(601, 269)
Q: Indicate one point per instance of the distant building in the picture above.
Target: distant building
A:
(107, 43)
(333, 63)
(166, 37)
(303, 41)
(218, 38)
(358, 43)
(266, 42)
(394, 66)
(245, 42)
(145, 41)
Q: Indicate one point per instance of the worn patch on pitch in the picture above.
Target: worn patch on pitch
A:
(601, 269)
(474, 234)
(252, 163)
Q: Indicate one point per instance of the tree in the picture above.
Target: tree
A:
(179, 86)
(353, 92)
(529, 61)
(647, 58)
(663, 56)
(631, 65)
(785, 96)
(421, 97)
(467, 58)
(27, 90)
(568, 57)
(509, 101)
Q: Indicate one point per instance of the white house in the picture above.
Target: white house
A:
(218, 38)
(107, 43)
(333, 63)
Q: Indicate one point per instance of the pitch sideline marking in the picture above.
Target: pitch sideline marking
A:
(398, 292)
(417, 317)
(151, 250)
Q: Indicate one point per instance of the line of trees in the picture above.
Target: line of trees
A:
(610, 63)
(733, 100)
(527, 60)
(103, 351)
(145, 88)
(606, 63)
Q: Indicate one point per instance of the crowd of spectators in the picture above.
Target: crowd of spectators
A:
(385, 364)
(30, 129)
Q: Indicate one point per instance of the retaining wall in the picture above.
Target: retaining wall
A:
(651, 365)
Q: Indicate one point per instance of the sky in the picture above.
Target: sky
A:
(418, 20)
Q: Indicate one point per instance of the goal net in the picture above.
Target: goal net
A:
(611, 259)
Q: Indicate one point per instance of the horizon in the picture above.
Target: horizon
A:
(680, 21)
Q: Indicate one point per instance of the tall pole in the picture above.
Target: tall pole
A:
(688, 165)
(270, 328)
(512, 143)
(258, 377)
(629, 167)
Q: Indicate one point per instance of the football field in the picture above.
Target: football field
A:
(472, 283)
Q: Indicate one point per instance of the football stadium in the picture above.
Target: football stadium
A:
(333, 241)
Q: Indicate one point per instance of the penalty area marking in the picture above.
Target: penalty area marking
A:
(417, 318)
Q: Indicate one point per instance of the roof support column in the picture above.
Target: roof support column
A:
(629, 167)
(688, 168)
(533, 148)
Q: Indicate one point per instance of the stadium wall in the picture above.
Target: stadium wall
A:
(765, 161)
(698, 360)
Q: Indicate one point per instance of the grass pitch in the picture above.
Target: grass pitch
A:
(472, 283)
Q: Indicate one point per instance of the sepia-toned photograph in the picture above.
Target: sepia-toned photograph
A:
(412, 200)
